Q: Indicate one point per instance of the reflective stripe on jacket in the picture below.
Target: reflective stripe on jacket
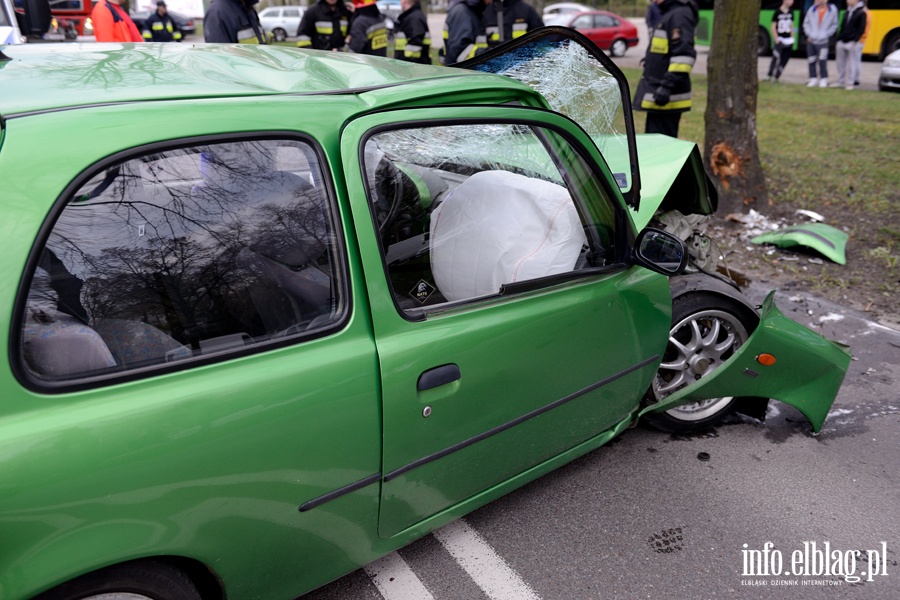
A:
(412, 41)
(518, 19)
(161, 29)
(669, 60)
(368, 32)
(464, 35)
(230, 22)
(324, 27)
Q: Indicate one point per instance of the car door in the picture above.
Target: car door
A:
(508, 326)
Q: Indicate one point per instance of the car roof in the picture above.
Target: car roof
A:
(41, 77)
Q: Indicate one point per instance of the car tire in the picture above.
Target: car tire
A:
(618, 47)
(136, 580)
(280, 34)
(763, 43)
(707, 328)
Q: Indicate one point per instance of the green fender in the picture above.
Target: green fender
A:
(807, 372)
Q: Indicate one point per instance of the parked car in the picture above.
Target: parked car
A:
(609, 31)
(306, 307)
(185, 24)
(889, 78)
(282, 21)
(560, 8)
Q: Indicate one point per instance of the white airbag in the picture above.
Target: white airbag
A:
(500, 227)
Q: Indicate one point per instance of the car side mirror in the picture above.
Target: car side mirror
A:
(660, 251)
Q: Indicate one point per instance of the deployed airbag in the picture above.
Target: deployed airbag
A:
(499, 227)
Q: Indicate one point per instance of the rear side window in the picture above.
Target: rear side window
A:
(185, 253)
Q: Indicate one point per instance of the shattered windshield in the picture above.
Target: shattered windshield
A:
(576, 83)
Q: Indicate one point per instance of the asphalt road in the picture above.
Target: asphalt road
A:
(644, 517)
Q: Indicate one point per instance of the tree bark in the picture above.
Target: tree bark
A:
(731, 151)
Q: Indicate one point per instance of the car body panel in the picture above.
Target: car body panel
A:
(210, 458)
(663, 161)
(72, 76)
(807, 371)
(282, 467)
(485, 342)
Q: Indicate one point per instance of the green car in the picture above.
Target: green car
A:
(273, 314)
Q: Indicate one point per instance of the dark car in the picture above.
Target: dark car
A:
(186, 24)
(609, 31)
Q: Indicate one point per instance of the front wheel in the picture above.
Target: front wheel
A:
(618, 47)
(707, 329)
(280, 34)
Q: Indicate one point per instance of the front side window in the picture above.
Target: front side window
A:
(468, 211)
(184, 253)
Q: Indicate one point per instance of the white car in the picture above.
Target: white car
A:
(560, 8)
(890, 72)
(282, 21)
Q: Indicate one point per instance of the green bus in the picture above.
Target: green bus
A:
(883, 32)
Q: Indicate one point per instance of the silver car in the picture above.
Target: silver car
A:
(282, 21)
(890, 73)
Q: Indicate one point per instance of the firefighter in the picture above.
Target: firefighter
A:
(413, 41)
(324, 26)
(233, 21)
(112, 23)
(160, 26)
(368, 31)
(519, 18)
(464, 35)
(664, 90)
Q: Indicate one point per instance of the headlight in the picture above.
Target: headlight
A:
(88, 26)
(894, 64)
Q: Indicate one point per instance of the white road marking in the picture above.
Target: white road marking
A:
(485, 566)
(396, 580)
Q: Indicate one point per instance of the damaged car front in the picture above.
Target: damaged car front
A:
(723, 354)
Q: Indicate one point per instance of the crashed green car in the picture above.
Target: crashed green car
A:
(272, 314)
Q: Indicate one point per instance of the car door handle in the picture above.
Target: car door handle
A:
(438, 376)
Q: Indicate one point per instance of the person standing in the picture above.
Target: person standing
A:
(819, 24)
(664, 90)
(653, 16)
(112, 23)
(368, 31)
(160, 26)
(862, 41)
(783, 33)
(233, 22)
(324, 26)
(412, 41)
(518, 18)
(464, 35)
(848, 44)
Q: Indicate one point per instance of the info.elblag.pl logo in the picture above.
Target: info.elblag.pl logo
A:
(814, 560)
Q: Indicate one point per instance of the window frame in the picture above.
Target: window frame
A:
(623, 234)
(342, 270)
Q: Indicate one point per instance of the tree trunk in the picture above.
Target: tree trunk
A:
(731, 152)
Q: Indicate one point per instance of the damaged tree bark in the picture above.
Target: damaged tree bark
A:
(731, 152)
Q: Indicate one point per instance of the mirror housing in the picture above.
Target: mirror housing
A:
(660, 251)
